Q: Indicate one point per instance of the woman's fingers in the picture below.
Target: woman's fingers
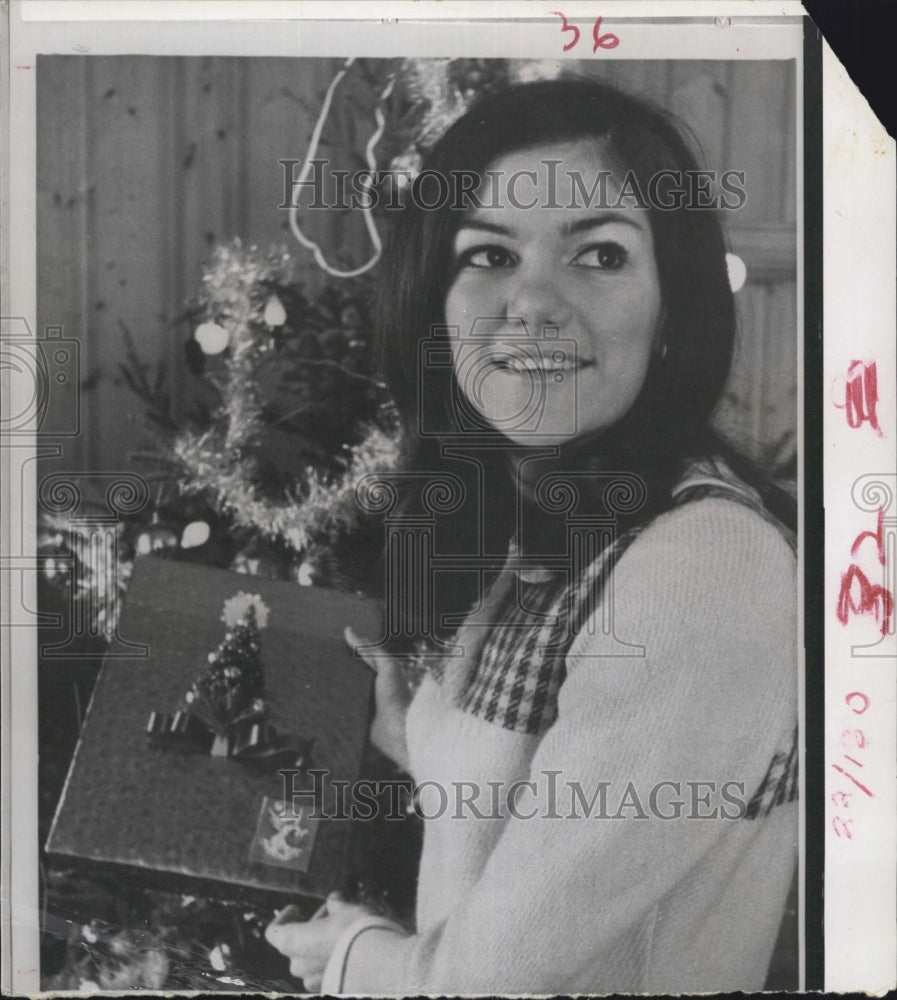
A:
(391, 683)
(309, 944)
(310, 980)
(300, 939)
(354, 640)
(289, 914)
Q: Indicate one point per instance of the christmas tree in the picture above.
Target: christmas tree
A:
(255, 465)
(231, 688)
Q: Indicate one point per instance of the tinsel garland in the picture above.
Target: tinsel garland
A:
(228, 483)
(233, 295)
(214, 463)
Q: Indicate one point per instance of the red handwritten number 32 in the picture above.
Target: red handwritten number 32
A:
(605, 41)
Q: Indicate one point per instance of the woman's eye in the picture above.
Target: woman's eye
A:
(486, 257)
(606, 256)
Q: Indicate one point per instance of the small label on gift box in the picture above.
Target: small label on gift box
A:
(284, 835)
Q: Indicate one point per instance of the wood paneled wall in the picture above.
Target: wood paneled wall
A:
(145, 163)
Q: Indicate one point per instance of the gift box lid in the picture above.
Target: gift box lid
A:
(170, 817)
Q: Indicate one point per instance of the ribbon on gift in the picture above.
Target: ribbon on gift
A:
(252, 741)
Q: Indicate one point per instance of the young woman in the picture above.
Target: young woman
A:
(606, 754)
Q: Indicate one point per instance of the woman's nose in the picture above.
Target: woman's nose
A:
(536, 298)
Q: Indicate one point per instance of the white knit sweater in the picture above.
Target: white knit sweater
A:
(638, 903)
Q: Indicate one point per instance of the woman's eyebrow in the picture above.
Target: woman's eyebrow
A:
(487, 227)
(605, 218)
(569, 229)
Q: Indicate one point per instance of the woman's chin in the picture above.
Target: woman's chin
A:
(526, 410)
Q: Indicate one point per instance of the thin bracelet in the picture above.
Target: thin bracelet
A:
(361, 930)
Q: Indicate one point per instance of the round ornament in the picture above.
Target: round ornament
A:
(212, 338)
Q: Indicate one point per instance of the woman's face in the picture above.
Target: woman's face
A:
(557, 308)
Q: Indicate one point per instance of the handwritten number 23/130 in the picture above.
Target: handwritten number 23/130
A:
(605, 41)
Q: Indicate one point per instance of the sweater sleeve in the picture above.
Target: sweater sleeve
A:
(708, 591)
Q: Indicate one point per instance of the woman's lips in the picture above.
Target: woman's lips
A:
(530, 363)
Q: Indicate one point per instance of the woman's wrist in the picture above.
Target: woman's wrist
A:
(337, 978)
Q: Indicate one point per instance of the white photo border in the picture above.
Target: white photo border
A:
(859, 946)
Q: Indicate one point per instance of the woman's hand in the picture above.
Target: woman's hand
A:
(391, 698)
(308, 944)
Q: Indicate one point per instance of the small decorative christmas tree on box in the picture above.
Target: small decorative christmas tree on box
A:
(224, 712)
(231, 688)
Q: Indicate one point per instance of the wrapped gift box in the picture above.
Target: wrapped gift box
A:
(192, 821)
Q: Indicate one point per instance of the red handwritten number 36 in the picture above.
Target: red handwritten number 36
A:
(605, 41)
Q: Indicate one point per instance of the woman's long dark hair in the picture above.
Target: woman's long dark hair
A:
(670, 419)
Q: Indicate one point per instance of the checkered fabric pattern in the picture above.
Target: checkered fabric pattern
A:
(779, 785)
(520, 667)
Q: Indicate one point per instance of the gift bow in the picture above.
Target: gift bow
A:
(248, 740)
